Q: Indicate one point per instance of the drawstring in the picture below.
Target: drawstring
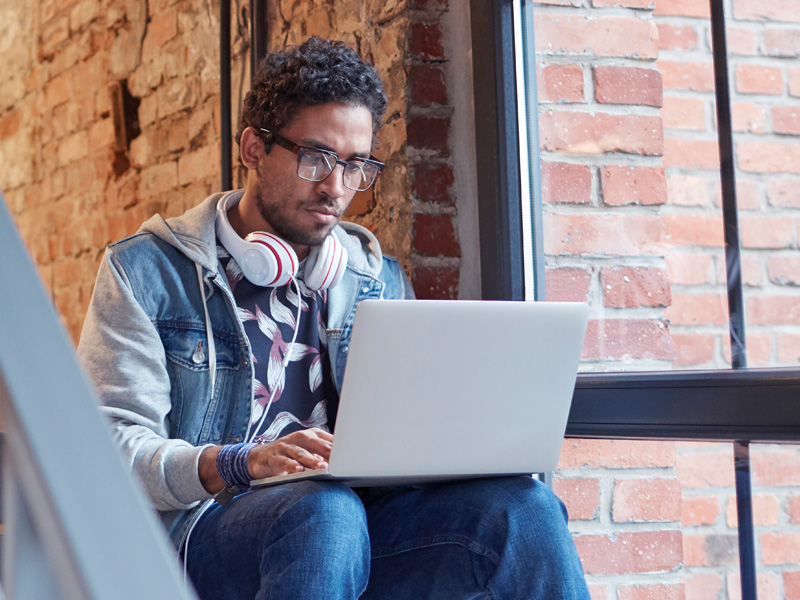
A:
(212, 349)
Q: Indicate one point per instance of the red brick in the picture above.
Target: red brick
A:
(584, 133)
(437, 283)
(794, 510)
(683, 8)
(758, 79)
(627, 85)
(429, 133)
(607, 234)
(198, 165)
(628, 339)
(783, 192)
(9, 124)
(747, 195)
(684, 113)
(768, 232)
(694, 230)
(773, 310)
(693, 350)
(697, 76)
(560, 83)
(767, 586)
(789, 348)
(677, 37)
(425, 40)
(603, 36)
(701, 470)
(786, 119)
(766, 511)
(645, 4)
(691, 154)
(775, 10)
(768, 157)
(759, 349)
(580, 495)
(791, 585)
(794, 82)
(160, 30)
(640, 500)
(432, 182)
(566, 183)
(702, 586)
(748, 117)
(710, 549)
(776, 467)
(625, 553)
(780, 548)
(616, 454)
(697, 309)
(597, 591)
(628, 287)
(687, 190)
(741, 42)
(699, 510)
(674, 591)
(435, 235)
(567, 284)
(427, 85)
(633, 185)
(783, 43)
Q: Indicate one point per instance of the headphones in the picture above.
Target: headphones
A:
(269, 261)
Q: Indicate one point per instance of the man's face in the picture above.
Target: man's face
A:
(304, 212)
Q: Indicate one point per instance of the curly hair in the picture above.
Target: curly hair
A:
(316, 72)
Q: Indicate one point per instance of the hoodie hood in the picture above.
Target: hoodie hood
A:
(194, 234)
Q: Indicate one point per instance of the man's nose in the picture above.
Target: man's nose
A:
(333, 185)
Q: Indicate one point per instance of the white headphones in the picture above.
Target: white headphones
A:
(269, 261)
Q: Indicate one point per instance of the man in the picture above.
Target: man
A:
(192, 409)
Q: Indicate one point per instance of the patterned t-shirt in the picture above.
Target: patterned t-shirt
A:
(303, 394)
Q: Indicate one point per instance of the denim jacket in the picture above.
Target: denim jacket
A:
(145, 346)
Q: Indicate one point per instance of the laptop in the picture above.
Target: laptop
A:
(437, 390)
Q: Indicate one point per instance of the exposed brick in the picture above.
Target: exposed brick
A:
(748, 196)
(776, 467)
(9, 124)
(691, 154)
(683, 8)
(783, 43)
(773, 310)
(597, 591)
(431, 183)
(701, 470)
(199, 164)
(628, 339)
(710, 549)
(633, 185)
(56, 91)
(702, 586)
(767, 586)
(160, 30)
(758, 79)
(599, 235)
(616, 454)
(567, 284)
(566, 183)
(786, 119)
(435, 283)
(693, 350)
(791, 585)
(628, 287)
(780, 548)
(435, 235)
(560, 83)
(643, 4)
(427, 85)
(677, 37)
(603, 36)
(694, 230)
(425, 40)
(794, 510)
(591, 134)
(159, 178)
(687, 190)
(640, 500)
(652, 592)
(748, 117)
(776, 10)
(766, 510)
(789, 349)
(684, 113)
(783, 192)
(759, 349)
(580, 495)
(697, 76)
(73, 147)
(627, 85)
(699, 510)
(740, 42)
(697, 309)
(625, 553)
(768, 232)
(429, 133)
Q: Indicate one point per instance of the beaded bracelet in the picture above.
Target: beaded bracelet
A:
(232, 465)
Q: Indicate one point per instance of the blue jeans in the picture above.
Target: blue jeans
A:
(483, 539)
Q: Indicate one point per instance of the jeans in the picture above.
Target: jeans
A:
(484, 539)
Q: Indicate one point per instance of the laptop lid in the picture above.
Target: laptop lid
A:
(442, 389)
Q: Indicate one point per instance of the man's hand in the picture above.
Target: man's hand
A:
(298, 451)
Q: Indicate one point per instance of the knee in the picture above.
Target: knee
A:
(531, 500)
(330, 510)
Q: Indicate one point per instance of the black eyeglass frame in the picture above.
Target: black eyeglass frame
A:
(300, 150)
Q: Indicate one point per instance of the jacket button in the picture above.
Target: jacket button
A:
(345, 349)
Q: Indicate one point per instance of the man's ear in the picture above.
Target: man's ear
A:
(251, 148)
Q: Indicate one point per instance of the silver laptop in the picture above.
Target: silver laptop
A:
(437, 390)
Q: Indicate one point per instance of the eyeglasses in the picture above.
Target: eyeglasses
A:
(315, 164)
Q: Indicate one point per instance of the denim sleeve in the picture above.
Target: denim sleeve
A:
(398, 286)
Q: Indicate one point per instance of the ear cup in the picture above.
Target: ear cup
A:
(272, 262)
(326, 264)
